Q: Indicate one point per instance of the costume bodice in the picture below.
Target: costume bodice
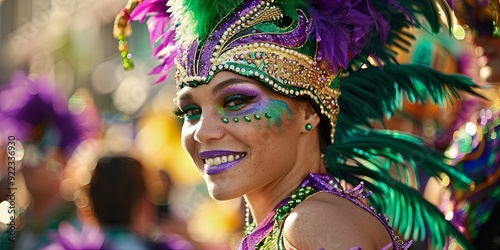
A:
(269, 233)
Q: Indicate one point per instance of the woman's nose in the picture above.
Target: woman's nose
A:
(209, 127)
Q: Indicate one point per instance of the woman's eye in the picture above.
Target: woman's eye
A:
(189, 113)
(237, 101)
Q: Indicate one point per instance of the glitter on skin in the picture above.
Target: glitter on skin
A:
(275, 108)
(259, 105)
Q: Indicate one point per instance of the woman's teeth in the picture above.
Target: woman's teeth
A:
(222, 159)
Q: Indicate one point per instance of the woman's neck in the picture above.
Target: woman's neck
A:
(265, 199)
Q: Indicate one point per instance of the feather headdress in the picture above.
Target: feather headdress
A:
(319, 49)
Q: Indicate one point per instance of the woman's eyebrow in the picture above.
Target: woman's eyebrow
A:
(184, 96)
(228, 82)
(223, 84)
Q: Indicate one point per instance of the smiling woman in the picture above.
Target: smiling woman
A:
(263, 125)
(259, 90)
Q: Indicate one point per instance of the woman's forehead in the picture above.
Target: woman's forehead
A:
(222, 80)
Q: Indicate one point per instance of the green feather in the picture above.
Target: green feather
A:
(198, 18)
(412, 215)
(373, 94)
(374, 153)
(403, 151)
(425, 14)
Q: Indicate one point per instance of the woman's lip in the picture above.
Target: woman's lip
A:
(213, 170)
(216, 153)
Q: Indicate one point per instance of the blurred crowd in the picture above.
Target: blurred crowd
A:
(75, 179)
(91, 155)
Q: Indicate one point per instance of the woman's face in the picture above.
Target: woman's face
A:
(240, 134)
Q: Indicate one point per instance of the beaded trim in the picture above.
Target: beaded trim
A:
(267, 57)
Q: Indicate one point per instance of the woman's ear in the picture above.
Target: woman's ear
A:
(311, 118)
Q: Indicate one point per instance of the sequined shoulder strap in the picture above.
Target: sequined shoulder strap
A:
(327, 183)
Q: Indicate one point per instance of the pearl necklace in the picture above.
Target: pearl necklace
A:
(249, 226)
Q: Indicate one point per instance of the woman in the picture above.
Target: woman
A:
(259, 87)
(274, 154)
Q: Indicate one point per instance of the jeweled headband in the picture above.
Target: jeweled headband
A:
(297, 48)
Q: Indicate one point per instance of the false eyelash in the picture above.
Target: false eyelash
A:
(179, 113)
(246, 98)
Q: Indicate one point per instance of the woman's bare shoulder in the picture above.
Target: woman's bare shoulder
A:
(327, 221)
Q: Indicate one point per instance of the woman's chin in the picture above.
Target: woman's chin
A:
(223, 194)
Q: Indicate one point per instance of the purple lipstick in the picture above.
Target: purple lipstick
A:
(218, 161)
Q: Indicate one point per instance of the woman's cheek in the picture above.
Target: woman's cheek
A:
(272, 113)
(187, 139)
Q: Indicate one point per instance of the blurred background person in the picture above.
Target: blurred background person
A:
(48, 128)
(120, 204)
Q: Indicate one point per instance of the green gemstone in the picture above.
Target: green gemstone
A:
(287, 209)
(235, 119)
(267, 115)
(257, 116)
(297, 201)
(224, 120)
(247, 119)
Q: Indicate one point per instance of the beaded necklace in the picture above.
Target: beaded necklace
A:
(275, 236)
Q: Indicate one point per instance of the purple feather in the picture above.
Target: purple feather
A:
(348, 26)
(162, 30)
